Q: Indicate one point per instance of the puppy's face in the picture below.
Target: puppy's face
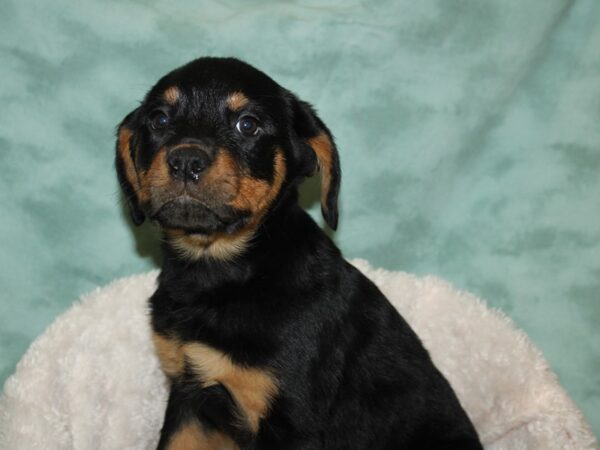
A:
(212, 148)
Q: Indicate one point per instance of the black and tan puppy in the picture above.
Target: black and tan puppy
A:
(270, 339)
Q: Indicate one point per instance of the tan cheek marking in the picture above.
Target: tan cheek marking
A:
(156, 177)
(237, 101)
(125, 155)
(252, 388)
(321, 144)
(222, 176)
(171, 95)
(170, 354)
(256, 195)
(251, 195)
(191, 436)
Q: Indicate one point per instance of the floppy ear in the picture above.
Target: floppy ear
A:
(323, 157)
(124, 163)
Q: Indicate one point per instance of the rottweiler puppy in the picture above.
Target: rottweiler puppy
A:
(269, 338)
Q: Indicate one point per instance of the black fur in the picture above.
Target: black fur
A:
(351, 373)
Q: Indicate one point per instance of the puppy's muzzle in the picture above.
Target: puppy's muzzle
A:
(193, 199)
(186, 163)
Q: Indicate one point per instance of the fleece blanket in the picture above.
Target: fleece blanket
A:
(468, 132)
(92, 381)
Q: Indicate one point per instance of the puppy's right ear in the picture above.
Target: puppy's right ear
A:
(125, 165)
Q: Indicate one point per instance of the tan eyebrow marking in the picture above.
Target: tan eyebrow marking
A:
(171, 95)
(237, 101)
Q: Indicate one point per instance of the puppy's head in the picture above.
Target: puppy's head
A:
(213, 147)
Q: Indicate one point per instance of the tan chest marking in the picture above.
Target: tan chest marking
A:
(253, 389)
(170, 354)
(191, 436)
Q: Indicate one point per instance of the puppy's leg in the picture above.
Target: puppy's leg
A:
(176, 421)
(199, 419)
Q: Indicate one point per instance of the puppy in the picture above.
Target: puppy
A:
(269, 338)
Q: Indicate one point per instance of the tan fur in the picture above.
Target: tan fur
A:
(191, 436)
(125, 155)
(256, 195)
(170, 354)
(251, 195)
(143, 183)
(220, 246)
(228, 246)
(221, 180)
(253, 389)
(237, 101)
(323, 148)
(157, 177)
(171, 95)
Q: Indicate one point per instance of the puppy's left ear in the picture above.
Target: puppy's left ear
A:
(126, 171)
(319, 153)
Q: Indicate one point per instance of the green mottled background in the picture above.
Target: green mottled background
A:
(469, 133)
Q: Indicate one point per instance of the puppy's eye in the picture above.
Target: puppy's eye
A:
(248, 126)
(159, 120)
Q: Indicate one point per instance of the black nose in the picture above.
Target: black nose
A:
(187, 163)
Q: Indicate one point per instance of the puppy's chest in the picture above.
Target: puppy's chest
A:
(252, 388)
(228, 344)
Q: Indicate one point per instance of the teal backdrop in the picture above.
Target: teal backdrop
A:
(469, 133)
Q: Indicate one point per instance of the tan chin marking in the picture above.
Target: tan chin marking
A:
(237, 101)
(192, 436)
(252, 388)
(171, 95)
(219, 246)
(322, 146)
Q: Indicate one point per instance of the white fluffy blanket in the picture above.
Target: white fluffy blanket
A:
(91, 381)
